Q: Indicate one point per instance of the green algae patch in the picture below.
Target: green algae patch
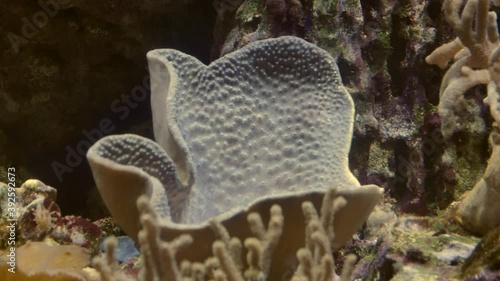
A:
(249, 9)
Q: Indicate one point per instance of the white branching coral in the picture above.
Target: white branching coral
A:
(160, 259)
(477, 33)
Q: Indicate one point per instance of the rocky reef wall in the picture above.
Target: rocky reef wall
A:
(381, 48)
(67, 66)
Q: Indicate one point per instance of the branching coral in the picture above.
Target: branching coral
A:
(316, 259)
(227, 262)
(479, 210)
(160, 258)
(493, 98)
(477, 38)
(476, 53)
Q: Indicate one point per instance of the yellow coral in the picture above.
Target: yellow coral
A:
(38, 261)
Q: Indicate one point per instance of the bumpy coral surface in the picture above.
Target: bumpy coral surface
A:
(273, 116)
(272, 119)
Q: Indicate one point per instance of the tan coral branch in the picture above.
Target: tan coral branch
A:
(444, 53)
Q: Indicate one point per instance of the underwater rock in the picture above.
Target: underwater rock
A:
(131, 267)
(413, 248)
(34, 208)
(455, 252)
(109, 227)
(78, 231)
(39, 217)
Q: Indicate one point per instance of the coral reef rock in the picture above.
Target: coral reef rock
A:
(38, 217)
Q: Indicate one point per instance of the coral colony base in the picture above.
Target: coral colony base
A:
(247, 150)
(476, 57)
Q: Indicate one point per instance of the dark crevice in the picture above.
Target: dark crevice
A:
(386, 269)
(347, 71)
(434, 10)
(398, 54)
(372, 5)
(398, 187)
(358, 156)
